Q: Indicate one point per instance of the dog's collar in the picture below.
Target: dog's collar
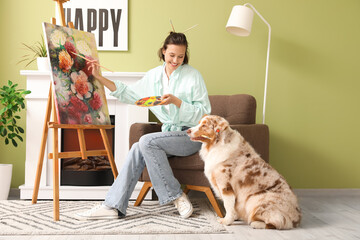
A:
(217, 134)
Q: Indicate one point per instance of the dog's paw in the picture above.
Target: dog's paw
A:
(225, 221)
(258, 225)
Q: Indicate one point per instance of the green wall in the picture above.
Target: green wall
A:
(312, 106)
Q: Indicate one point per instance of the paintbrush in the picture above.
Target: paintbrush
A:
(190, 28)
(89, 60)
(172, 26)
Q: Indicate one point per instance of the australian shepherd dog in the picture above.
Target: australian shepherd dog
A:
(250, 188)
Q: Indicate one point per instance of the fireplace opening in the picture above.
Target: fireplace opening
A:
(93, 171)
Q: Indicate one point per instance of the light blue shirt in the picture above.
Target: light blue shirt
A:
(186, 83)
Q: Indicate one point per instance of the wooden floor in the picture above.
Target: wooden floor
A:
(327, 214)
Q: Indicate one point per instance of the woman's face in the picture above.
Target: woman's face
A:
(174, 56)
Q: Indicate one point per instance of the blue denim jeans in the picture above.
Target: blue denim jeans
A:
(151, 151)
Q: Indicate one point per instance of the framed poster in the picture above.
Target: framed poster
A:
(107, 19)
(79, 97)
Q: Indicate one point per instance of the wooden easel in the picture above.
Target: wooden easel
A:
(56, 155)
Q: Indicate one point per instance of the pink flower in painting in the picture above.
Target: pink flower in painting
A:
(70, 48)
(88, 118)
(96, 102)
(74, 114)
(65, 61)
(80, 86)
(79, 105)
(88, 69)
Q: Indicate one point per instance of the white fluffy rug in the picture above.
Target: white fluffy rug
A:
(18, 217)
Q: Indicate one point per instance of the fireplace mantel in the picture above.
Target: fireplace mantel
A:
(125, 115)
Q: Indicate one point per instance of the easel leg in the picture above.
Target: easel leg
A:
(108, 150)
(42, 148)
(55, 165)
(61, 12)
(56, 176)
(82, 143)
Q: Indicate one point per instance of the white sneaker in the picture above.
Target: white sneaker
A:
(98, 212)
(184, 206)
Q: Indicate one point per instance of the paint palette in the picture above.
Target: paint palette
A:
(149, 101)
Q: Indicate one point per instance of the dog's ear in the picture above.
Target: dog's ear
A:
(202, 117)
(221, 125)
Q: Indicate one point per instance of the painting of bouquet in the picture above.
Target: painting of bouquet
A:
(80, 98)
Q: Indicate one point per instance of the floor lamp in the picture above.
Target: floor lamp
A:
(239, 24)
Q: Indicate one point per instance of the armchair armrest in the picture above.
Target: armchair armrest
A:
(139, 129)
(257, 135)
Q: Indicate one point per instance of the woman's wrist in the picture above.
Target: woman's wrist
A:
(106, 82)
(178, 102)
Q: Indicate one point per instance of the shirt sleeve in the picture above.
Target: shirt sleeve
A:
(129, 94)
(192, 111)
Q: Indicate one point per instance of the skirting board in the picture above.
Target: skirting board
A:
(76, 192)
(15, 192)
(327, 192)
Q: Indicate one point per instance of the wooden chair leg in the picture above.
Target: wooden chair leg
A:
(144, 190)
(210, 196)
(214, 202)
(186, 190)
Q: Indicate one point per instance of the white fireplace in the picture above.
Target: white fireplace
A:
(125, 115)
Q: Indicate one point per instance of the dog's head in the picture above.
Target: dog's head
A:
(208, 130)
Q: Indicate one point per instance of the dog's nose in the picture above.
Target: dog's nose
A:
(188, 131)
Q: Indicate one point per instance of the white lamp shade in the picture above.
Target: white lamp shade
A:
(240, 21)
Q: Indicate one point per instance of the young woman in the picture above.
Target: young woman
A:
(185, 101)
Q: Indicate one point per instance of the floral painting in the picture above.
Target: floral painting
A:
(79, 97)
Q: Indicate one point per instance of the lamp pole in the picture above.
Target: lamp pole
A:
(267, 56)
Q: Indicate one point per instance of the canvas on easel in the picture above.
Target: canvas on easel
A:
(76, 100)
(79, 97)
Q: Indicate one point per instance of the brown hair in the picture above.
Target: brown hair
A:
(176, 39)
